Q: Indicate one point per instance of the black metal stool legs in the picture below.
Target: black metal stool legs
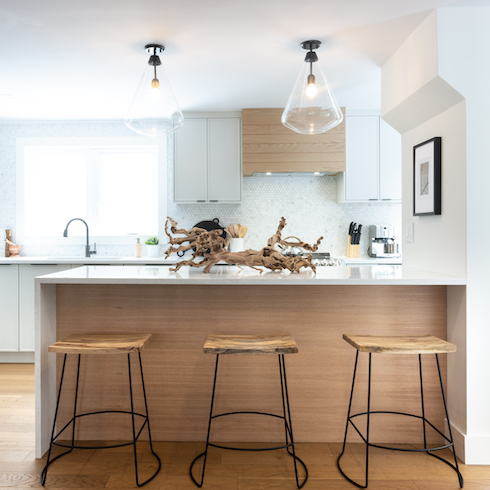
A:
(287, 424)
(349, 421)
(424, 422)
(133, 414)
(456, 467)
(53, 437)
(205, 453)
(147, 422)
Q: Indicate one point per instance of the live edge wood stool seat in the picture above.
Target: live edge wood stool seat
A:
(376, 344)
(101, 345)
(253, 344)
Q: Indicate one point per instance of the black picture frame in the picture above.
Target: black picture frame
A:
(427, 177)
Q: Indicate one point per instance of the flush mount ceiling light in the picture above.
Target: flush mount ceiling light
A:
(154, 110)
(311, 108)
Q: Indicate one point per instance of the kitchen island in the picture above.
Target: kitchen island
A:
(179, 309)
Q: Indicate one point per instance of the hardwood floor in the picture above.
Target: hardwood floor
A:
(226, 470)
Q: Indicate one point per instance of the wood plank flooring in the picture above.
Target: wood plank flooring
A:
(226, 470)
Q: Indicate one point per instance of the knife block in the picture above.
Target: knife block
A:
(353, 251)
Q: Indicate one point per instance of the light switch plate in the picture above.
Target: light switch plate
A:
(409, 232)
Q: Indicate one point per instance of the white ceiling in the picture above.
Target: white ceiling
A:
(61, 59)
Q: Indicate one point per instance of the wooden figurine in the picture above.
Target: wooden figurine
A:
(211, 247)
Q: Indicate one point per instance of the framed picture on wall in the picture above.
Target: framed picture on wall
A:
(427, 177)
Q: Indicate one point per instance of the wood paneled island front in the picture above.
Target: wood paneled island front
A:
(180, 309)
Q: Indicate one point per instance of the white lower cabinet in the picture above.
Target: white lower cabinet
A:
(27, 274)
(9, 308)
(17, 306)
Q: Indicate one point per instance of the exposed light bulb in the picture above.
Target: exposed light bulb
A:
(311, 90)
(155, 89)
(311, 108)
(154, 110)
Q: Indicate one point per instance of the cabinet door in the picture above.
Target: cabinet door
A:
(27, 273)
(9, 307)
(390, 162)
(190, 161)
(362, 158)
(224, 160)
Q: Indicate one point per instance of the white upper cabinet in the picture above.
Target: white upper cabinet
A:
(390, 162)
(373, 162)
(208, 163)
(191, 150)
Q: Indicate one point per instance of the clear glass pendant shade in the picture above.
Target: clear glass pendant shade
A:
(312, 107)
(154, 110)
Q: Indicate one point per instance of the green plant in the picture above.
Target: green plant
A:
(152, 241)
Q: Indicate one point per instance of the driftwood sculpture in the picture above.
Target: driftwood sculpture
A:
(211, 247)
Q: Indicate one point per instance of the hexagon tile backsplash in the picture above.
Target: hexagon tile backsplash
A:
(307, 202)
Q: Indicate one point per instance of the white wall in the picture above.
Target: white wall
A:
(464, 62)
(462, 39)
(412, 90)
(439, 241)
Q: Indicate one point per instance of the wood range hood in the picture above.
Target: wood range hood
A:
(268, 146)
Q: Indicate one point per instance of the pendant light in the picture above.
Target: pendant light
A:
(311, 108)
(154, 110)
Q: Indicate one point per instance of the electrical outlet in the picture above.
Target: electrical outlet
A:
(409, 232)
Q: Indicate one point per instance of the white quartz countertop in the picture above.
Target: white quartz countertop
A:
(368, 260)
(98, 259)
(101, 259)
(233, 275)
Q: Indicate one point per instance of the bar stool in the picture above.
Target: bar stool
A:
(374, 344)
(101, 345)
(253, 344)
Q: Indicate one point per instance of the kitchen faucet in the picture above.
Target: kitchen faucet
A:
(88, 252)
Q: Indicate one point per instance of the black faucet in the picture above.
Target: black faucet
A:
(88, 252)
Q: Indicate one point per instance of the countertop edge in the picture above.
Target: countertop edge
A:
(331, 276)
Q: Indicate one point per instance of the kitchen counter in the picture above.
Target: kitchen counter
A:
(179, 309)
(161, 260)
(88, 260)
(368, 260)
(233, 275)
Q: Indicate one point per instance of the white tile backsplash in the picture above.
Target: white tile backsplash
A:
(308, 203)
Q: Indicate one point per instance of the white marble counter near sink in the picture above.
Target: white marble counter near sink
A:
(98, 259)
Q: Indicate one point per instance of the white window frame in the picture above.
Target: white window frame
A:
(23, 143)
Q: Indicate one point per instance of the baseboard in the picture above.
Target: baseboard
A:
(16, 357)
(472, 450)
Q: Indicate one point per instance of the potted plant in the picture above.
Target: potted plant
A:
(152, 246)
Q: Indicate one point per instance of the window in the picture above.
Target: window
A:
(116, 185)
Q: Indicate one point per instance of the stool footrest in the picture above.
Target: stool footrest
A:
(288, 431)
(96, 413)
(248, 412)
(72, 423)
(407, 415)
(425, 424)
(250, 448)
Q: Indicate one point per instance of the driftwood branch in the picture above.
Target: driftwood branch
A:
(210, 248)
